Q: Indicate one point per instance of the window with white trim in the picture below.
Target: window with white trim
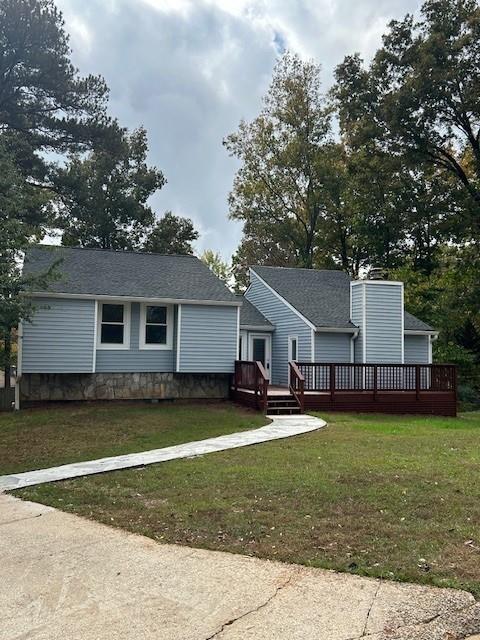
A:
(293, 348)
(113, 329)
(156, 326)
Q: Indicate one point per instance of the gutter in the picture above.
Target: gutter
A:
(336, 329)
(427, 332)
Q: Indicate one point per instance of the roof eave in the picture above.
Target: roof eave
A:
(165, 300)
(421, 332)
(256, 327)
(336, 329)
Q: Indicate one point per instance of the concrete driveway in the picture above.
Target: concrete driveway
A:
(66, 577)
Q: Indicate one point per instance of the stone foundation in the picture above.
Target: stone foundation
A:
(52, 387)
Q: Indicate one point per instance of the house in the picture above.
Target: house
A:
(128, 325)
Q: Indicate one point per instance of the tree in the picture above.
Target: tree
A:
(216, 264)
(448, 298)
(420, 97)
(418, 106)
(257, 247)
(278, 190)
(45, 107)
(171, 234)
(44, 104)
(307, 200)
(105, 196)
(20, 205)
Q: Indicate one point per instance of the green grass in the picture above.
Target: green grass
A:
(397, 497)
(39, 438)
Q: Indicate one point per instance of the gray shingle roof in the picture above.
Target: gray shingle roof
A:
(126, 273)
(250, 316)
(321, 296)
(415, 324)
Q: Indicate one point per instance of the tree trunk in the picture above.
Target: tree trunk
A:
(7, 338)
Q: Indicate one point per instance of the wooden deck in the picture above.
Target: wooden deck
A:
(390, 389)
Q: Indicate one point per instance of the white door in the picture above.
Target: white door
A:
(292, 352)
(260, 348)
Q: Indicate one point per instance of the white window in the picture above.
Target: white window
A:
(156, 326)
(292, 348)
(242, 346)
(113, 329)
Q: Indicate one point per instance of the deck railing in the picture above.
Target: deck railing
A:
(251, 375)
(418, 378)
(297, 385)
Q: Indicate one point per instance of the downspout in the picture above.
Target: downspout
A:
(18, 376)
(353, 337)
(431, 338)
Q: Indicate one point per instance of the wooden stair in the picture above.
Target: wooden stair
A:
(282, 405)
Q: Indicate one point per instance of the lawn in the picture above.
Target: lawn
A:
(390, 496)
(39, 438)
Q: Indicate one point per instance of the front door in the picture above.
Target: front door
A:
(260, 348)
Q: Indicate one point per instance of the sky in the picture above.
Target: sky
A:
(190, 70)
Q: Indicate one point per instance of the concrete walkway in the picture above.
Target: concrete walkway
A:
(280, 427)
(67, 577)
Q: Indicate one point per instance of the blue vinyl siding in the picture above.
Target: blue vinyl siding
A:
(60, 337)
(377, 309)
(286, 323)
(384, 323)
(135, 360)
(416, 349)
(208, 338)
(332, 347)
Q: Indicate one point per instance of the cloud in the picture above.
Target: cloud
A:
(189, 70)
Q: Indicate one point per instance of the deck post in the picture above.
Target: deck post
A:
(332, 382)
(375, 382)
(417, 381)
(235, 376)
(265, 397)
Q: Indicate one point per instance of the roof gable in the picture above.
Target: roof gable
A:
(127, 274)
(320, 296)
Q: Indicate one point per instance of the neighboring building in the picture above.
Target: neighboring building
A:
(121, 324)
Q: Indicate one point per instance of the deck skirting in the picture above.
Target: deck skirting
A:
(440, 403)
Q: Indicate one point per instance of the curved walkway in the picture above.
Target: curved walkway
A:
(280, 427)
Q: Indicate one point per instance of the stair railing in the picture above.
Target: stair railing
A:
(297, 385)
(261, 387)
(251, 375)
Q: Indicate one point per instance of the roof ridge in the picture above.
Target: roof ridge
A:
(267, 266)
(120, 251)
